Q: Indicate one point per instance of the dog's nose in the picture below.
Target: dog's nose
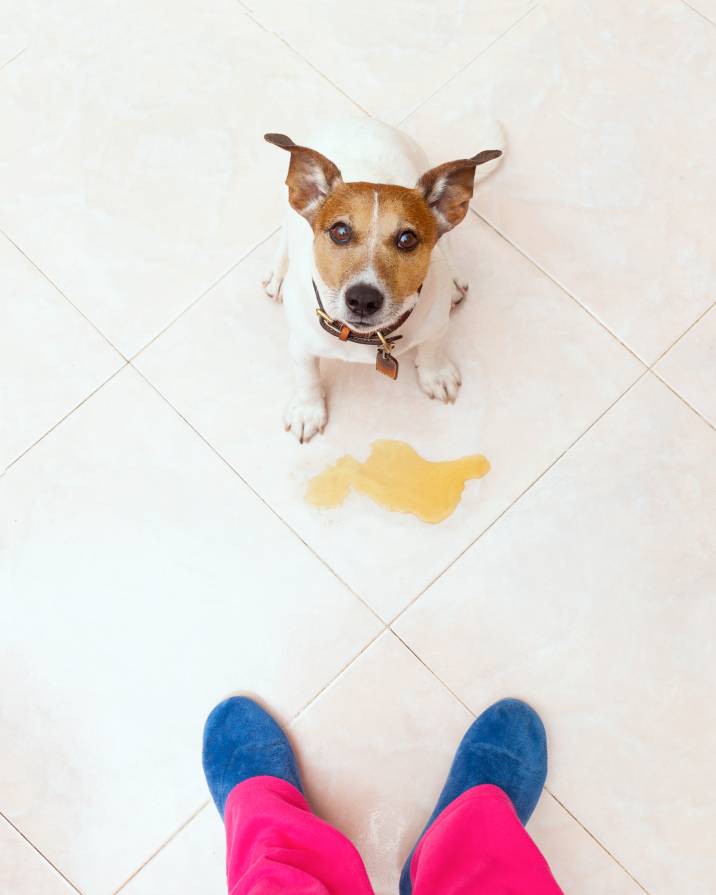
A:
(364, 300)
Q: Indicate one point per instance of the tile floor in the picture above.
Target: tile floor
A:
(155, 551)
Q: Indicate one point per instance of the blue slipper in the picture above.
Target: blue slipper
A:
(505, 746)
(241, 740)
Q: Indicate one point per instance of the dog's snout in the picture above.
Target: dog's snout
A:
(364, 300)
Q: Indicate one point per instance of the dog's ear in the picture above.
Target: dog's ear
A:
(448, 188)
(311, 176)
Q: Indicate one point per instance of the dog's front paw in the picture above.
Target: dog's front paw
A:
(305, 417)
(441, 381)
(460, 293)
(273, 286)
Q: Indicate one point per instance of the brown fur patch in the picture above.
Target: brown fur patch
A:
(374, 236)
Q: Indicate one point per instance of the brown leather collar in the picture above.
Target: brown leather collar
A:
(343, 332)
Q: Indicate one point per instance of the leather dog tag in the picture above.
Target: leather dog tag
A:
(386, 364)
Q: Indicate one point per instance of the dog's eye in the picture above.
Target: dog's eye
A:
(407, 240)
(340, 233)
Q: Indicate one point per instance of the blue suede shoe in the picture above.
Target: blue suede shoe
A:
(241, 740)
(505, 746)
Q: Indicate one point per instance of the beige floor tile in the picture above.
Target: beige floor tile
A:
(690, 366)
(389, 58)
(132, 164)
(50, 357)
(193, 862)
(611, 133)
(578, 862)
(595, 599)
(705, 7)
(536, 370)
(143, 583)
(23, 871)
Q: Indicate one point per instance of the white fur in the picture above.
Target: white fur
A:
(364, 150)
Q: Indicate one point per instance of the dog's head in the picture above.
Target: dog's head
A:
(372, 242)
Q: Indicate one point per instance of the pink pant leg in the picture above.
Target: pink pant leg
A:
(479, 845)
(275, 845)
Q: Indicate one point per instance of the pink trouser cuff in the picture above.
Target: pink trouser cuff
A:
(479, 845)
(275, 845)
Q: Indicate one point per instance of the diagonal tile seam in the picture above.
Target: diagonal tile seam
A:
(698, 12)
(519, 497)
(63, 418)
(665, 381)
(251, 16)
(467, 65)
(61, 292)
(597, 841)
(649, 367)
(163, 845)
(40, 853)
(257, 494)
(561, 286)
(206, 291)
(12, 58)
(546, 788)
(125, 360)
(684, 333)
(681, 398)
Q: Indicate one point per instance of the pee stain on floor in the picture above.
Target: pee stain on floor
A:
(397, 478)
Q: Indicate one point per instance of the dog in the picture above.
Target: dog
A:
(354, 265)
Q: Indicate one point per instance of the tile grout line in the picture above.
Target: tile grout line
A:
(251, 15)
(206, 291)
(583, 306)
(163, 845)
(681, 398)
(597, 841)
(125, 361)
(40, 853)
(648, 367)
(63, 418)
(339, 674)
(698, 12)
(560, 286)
(432, 672)
(63, 294)
(518, 498)
(683, 334)
(253, 490)
(13, 58)
(484, 50)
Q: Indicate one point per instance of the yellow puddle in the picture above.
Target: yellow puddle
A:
(397, 478)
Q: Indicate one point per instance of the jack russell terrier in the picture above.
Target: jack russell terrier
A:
(357, 283)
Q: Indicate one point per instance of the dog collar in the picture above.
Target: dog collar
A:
(385, 363)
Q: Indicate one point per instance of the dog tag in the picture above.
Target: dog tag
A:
(386, 364)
